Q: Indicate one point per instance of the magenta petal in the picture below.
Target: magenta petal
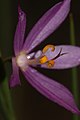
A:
(15, 75)
(68, 60)
(51, 89)
(20, 30)
(47, 24)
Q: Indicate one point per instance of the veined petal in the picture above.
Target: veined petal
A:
(69, 59)
(15, 75)
(20, 30)
(51, 89)
(47, 24)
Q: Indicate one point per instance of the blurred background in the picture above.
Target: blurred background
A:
(27, 102)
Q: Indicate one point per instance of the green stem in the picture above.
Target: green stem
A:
(6, 36)
(5, 101)
(74, 70)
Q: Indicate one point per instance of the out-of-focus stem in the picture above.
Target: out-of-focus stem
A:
(6, 107)
(74, 70)
(5, 101)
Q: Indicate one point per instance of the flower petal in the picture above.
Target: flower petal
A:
(20, 30)
(51, 89)
(68, 60)
(47, 24)
(15, 75)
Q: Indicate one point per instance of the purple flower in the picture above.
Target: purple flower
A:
(50, 57)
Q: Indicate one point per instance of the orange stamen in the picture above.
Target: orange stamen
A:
(43, 60)
(50, 63)
(47, 47)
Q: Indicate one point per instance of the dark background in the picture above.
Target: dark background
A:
(28, 103)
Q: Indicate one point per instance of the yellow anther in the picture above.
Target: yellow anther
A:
(50, 63)
(47, 47)
(43, 60)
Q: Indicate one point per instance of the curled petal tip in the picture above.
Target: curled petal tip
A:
(19, 9)
(21, 13)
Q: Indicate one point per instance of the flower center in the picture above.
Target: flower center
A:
(38, 58)
(22, 60)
